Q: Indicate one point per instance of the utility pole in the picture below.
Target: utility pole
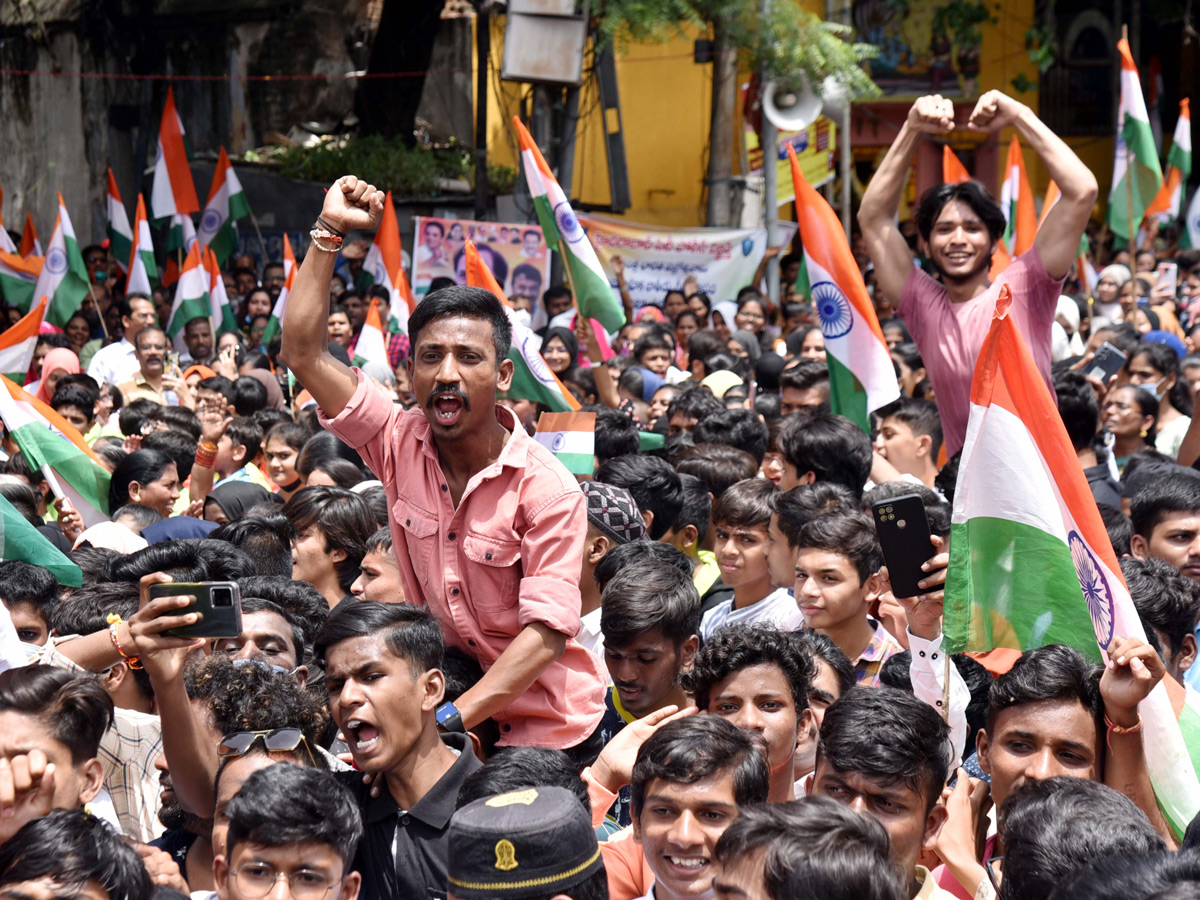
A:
(770, 152)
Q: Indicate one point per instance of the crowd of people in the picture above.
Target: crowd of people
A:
(463, 671)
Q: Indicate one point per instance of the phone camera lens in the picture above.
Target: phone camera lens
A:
(901, 523)
(222, 597)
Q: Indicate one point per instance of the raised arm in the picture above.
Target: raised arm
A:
(349, 204)
(1058, 239)
(881, 202)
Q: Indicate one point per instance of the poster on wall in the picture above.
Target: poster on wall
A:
(657, 260)
(516, 254)
(925, 46)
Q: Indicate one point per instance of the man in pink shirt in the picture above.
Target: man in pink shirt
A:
(960, 226)
(487, 526)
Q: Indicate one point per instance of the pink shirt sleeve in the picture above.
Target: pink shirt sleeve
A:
(600, 797)
(366, 424)
(550, 552)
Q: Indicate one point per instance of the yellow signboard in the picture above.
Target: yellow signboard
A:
(816, 148)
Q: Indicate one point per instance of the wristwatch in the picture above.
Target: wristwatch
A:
(449, 718)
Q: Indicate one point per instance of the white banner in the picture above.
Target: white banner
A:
(657, 260)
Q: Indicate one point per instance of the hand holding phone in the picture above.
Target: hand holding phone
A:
(218, 603)
(904, 537)
(1107, 362)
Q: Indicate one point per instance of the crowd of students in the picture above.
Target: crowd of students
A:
(463, 672)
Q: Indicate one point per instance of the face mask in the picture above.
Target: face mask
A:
(31, 650)
(100, 276)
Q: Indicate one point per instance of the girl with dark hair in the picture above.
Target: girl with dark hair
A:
(560, 350)
(1129, 415)
(1156, 368)
(282, 451)
(146, 477)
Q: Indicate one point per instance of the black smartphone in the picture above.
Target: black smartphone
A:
(1107, 362)
(219, 604)
(903, 531)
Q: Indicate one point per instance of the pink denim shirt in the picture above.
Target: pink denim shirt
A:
(509, 555)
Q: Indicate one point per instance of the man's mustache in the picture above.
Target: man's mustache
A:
(452, 390)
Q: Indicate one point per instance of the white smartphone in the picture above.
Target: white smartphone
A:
(1168, 274)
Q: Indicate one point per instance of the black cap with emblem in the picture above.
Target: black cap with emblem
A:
(527, 843)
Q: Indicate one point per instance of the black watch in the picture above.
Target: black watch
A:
(449, 718)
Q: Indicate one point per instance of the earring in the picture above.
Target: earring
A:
(1144, 432)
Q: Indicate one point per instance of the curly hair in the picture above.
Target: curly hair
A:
(740, 646)
(254, 697)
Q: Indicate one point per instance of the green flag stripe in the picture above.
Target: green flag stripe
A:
(44, 447)
(846, 395)
(577, 463)
(21, 541)
(191, 308)
(1013, 585)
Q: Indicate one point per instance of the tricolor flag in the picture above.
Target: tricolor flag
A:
(861, 376)
(1016, 201)
(275, 324)
(1168, 203)
(64, 277)
(191, 296)
(532, 378)
(1137, 175)
(30, 245)
(226, 204)
(120, 237)
(18, 278)
(570, 436)
(593, 294)
(181, 237)
(953, 171)
(53, 444)
(18, 342)
(172, 192)
(224, 316)
(1030, 559)
(1191, 233)
(385, 265)
(21, 541)
(142, 267)
(371, 346)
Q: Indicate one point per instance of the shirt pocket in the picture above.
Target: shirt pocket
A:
(498, 564)
(420, 528)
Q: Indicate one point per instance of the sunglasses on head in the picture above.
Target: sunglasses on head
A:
(277, 740)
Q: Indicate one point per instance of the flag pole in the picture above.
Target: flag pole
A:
(1128, 168)
(261, 243)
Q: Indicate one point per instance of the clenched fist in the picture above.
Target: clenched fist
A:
(995, 110)
(933, 114)
(351, 204)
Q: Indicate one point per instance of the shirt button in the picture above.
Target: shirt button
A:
(453, 535)
(933, 656)
(408, 521)
(487, 556)
(922, 653)
(404, 820)
(454, 591)
(939, 703)
(444, 488)
(506, 727)
(472, 643)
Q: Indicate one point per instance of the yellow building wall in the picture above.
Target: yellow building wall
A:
(665, 106)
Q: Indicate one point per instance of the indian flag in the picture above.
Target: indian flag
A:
(222, 309)
(30, 245)
(142, 267)
(953, 171)
(1191, 233)
(64, 277)
(1168, 203)
(21, 541)
(18, 342)
(1030, 559)
(861, 376)
(593, 294)
(1016, 201)
(371, 346)
(191, 296)
(53, 444)
(120, 238)
(226, 204)
(172, 191)
(18, 278)
(570, 436)
(384, 265)
(532, 378)
(1137, 175)
(275, 324)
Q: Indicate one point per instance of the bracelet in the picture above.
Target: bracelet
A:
(321, 223)
(332, 243)
(134, 662)
(206, 455)
(1114, 728)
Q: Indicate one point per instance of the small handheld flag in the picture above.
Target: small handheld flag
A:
(120, 237)
(571, 437)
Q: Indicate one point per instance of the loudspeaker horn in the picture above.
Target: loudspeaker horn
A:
(789, 103)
